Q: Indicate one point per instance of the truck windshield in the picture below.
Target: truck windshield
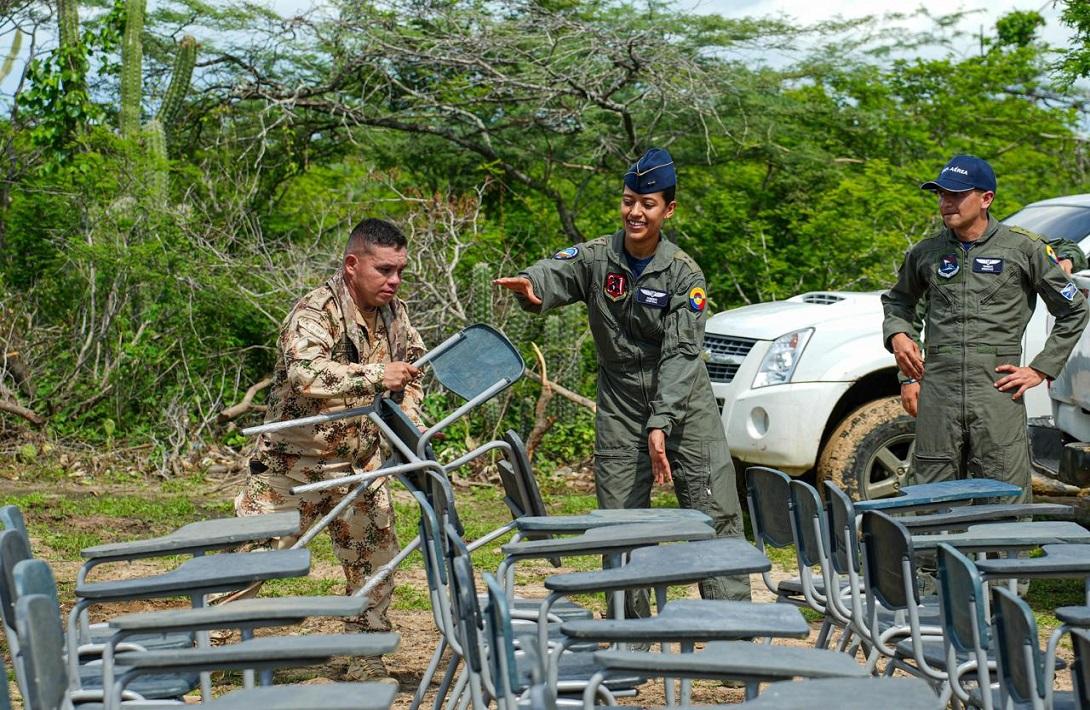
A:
(1053, 221)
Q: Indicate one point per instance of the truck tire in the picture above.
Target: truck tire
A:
(869, 453)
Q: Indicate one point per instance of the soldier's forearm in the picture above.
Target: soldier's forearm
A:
(1061, 341)
(326, 379)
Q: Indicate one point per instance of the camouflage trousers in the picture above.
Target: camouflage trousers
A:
(363, 536)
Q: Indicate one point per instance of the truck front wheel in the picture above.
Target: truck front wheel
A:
(869, 453)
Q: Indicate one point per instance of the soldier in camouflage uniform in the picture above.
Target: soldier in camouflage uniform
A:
(981, 278)
(657, 418)
(342, 344)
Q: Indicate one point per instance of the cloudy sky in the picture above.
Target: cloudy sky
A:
(809, 11)
(984, 14)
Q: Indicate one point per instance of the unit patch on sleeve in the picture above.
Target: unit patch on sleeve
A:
(1069, 291)
(1052, 254)
(565, 254)
(616, 286)
(698, 299)
(948, 266)
(651, 297)
(986, 265)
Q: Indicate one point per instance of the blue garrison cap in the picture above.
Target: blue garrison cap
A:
(964, 173)
(654, 172)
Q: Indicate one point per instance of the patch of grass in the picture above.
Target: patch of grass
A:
(411, 597)
(302, 587)
(1045, 595)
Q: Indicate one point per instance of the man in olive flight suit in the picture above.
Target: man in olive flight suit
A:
(657, 418)
(981, 278)
(1071, 259)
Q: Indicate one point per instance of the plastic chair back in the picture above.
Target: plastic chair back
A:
(13, 550)
(529, 494)
(1019, 662)
(501, 640)
(961, 602)
(1080, 669)
(840, 516)
(41, 646)
(11, 518)
(886, 546)
(468, 613)
(34, 576)
(769, 494)
(805, 507)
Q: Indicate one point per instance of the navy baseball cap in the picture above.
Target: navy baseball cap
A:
(964, 173)
(653, 172)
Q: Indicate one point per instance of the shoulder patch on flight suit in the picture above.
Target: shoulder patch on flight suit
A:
(698, 299)
(1026, 233)
(1052, 255)
(565, 254)
(1069, 291)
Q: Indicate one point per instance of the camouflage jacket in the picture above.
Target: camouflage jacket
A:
(328, 361)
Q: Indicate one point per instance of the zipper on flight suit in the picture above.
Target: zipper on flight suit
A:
(628, 331)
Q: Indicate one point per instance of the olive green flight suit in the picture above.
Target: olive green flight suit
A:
(979, 303)
(649, 333)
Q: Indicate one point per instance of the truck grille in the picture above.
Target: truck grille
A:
(721, 373)
(725, 355)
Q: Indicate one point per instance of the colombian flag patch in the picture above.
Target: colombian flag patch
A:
(1051, 255)
(698, 299)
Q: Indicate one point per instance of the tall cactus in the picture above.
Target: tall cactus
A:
(13, 54)
(68, 23)
(132, 68)
(171, 106)
(155, 143)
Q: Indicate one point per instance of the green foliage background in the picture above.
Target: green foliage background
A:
(130, 314)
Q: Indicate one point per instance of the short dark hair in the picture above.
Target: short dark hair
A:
(374, 232)
(669, 194)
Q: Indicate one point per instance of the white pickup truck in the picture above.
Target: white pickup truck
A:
(806, 385)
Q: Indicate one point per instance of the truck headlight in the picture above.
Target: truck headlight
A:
(780, 361)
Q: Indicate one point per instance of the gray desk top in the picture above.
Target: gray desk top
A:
(203, 535)
(561, 524)
(929, 495)
(610, 539)
(204, 575)
(683, 563)
(738, 659)
(1007, 536)
(327, 696)
(696, 620)
(969, 514)
(274, 650)
(1064, 561)
(245, 612)
(1074, 615)
(848, 694)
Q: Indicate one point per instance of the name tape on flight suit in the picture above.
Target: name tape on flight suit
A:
(986, 265)
(650, 297)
